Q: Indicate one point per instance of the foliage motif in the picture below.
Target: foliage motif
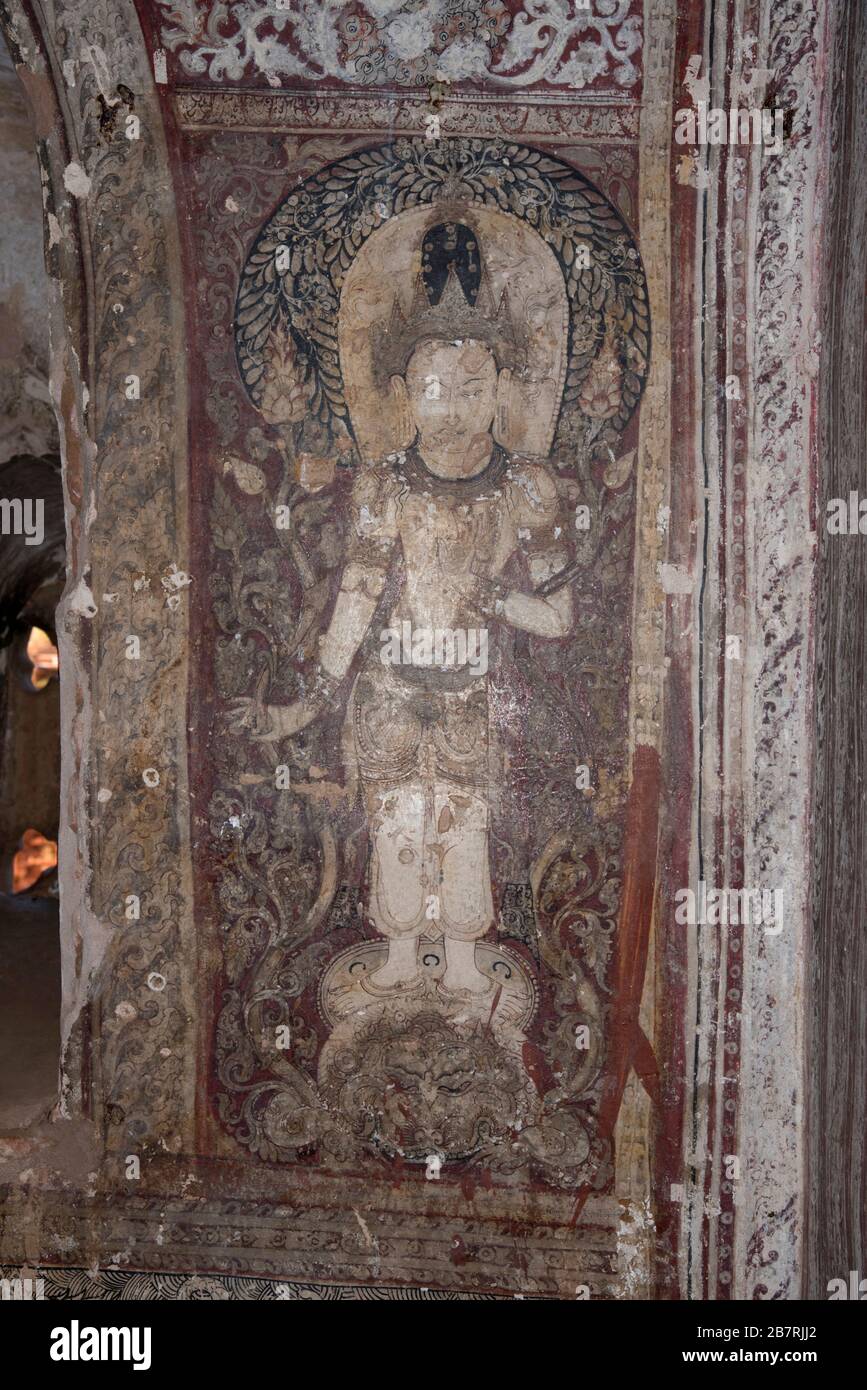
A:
(294, 273)
(408, 42)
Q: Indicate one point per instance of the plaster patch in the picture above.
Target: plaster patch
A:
(81, 601)
(175, 579)
(698, 87)
(95, 55)
(76, 181)
(675, 579)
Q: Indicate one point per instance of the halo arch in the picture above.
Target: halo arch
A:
(519, 265)
(286, 316)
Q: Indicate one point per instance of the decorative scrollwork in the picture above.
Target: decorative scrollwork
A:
(408, 42)
(286, 317)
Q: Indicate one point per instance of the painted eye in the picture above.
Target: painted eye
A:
(458, 1088)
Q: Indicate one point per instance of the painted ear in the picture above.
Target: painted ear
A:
(504, 413)
(403, 421)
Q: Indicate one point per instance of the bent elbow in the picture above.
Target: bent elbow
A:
(564, 611)
(365, 579)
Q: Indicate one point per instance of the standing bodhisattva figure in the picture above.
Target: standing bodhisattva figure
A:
(459, 507)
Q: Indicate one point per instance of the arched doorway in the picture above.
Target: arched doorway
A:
(32, 566)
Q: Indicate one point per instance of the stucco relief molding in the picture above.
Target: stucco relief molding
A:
(309, 1236)
(295, 112)
(655, 436)
(126, 922)
(116, 1284)
(408, 44)
(780, 544)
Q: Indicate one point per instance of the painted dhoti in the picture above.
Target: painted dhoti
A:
(421, 743)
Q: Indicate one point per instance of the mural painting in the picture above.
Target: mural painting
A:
(422, 598)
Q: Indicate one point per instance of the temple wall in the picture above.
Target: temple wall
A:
(244, 239)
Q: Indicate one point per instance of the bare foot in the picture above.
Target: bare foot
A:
(454, 983)
(462, 975)
(400, 972)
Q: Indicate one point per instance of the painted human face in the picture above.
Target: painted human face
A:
(452, 393)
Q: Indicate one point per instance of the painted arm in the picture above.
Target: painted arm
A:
(535, 508)
(544, 617)
(359, 594)
(363, 580)
(551, 616)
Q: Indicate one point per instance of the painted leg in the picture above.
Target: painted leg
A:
(467, 909)
(401, 967)
(462, 973)
(397, 903)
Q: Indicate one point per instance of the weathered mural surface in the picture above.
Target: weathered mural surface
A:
(393, 361)
(408, 43)
(421, 607)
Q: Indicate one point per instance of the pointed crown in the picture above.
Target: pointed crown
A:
(453, 318)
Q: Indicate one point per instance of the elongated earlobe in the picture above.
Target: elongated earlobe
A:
(502, 419)
(404, 424)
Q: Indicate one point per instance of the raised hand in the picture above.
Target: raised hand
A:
(266, 723)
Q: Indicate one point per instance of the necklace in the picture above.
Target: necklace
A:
(421, 479)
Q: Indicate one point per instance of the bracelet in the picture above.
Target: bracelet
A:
(494, 595)
(325, 686)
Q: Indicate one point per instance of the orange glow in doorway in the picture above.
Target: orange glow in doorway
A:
(35, 856)
(42, 654)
